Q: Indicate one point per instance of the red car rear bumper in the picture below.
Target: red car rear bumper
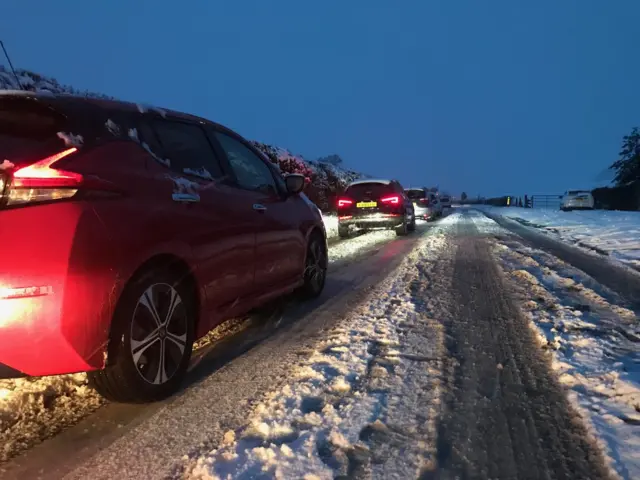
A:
(57, 293)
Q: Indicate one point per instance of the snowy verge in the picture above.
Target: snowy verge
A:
(614, 233)
(593, 342)
(330, 225)
(356, 398)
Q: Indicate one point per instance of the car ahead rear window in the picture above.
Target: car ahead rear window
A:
(415, 194)
(368, 190)
(28, 131)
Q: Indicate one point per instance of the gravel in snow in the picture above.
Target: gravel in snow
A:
(594, 343)
(363, 402)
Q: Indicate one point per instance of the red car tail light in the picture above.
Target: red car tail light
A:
(40, 182)
(41, 175)
(424, 201)
(392, 199)
(344, 202)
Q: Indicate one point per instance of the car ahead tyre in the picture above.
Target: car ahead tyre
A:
(412, 225)
(154, 327)
(403, 229)
(315, 269)
(343, 231)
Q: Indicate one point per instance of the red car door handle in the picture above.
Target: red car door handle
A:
(259, 208)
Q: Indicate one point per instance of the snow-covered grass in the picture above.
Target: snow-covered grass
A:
(594, 344)
(614, 232)
(356, 392)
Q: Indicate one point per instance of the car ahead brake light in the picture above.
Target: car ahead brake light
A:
(344, 202)
(392, 199)
(39, 182)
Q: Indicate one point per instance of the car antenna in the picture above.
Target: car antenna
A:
(11, 65)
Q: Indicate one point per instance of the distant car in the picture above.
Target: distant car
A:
(375, 204)
(445, 200)
(577, 200)
(426, 203)
(128, 233)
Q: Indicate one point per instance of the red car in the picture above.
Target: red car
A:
(128, 232)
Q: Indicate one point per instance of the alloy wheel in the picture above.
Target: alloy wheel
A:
(159, 333)
(316, 268)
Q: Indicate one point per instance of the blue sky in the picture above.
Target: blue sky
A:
(483, 96)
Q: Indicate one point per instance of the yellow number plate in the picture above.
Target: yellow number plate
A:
(366, 204)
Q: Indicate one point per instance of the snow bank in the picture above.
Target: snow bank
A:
(616, 233)
(594, 344)
(331, 225)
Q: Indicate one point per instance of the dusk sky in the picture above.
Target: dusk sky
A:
(489, 97)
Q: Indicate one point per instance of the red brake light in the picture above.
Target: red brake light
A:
(39, 182)
(41, 175)
(344, 202)
(393, 199)
(424, 200)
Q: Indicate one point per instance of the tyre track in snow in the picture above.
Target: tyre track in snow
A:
(505, 415)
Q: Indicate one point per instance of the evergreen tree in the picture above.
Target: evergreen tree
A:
(627, 167)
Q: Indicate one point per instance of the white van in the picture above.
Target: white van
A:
(577, 200)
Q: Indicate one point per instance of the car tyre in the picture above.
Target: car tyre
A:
(403, 229)
(315, 269)
(412, 225)
(343, 231)
(152, 337)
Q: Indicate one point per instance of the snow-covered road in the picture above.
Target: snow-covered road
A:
(459, 352)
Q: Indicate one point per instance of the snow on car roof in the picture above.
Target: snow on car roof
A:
(371, 180)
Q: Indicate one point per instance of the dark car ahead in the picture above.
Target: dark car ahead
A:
(129, 232)
(375, 204)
